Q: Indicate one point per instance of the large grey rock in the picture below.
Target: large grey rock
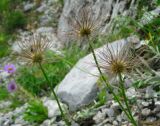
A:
(106, 10)
(79, 87)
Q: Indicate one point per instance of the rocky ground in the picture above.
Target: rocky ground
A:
(146, 107)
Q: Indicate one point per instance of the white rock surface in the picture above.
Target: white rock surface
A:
(79, 87)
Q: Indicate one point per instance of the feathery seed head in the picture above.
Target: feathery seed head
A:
(84, 25)
(34, 48)
(117, 60)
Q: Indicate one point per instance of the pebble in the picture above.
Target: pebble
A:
(151, 119)
(115, 123)
(131, 93)
(28, 7)
(146, 112)
(145, 104)
(109, 112)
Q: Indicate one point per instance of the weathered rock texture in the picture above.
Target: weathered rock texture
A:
(106, 9)
(79, 86)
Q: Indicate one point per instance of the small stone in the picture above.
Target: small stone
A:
(119, 118)
(74, 124)
(116, 108)
(151, 119)
(53, 109)
(29, 6)
(145, 104)
(128, 83)
(158, 115)
(46, 123)
(7, 123)
(42, 8)
(124, 116)
(157, 109)
(61, 123)
(44, 20)
(44, 30)
(5, 104)
(108, 124)
(19, 120)
(131, 93)
(157, 103)
(149, 92)
(99, 117)
(109, 112)
(4, 75)
(16, 125)
(146, 112)
(115, 123)
(51, 2)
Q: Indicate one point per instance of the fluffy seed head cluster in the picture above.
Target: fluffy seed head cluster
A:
(33, 49)
(84, 25)
(117, 60)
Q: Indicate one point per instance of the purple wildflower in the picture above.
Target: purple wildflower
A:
(10, 68)
(12, 86)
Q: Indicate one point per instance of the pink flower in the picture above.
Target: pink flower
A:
(12, 86)
(10, 68)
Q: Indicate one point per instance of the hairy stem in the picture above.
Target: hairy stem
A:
(107, 84)
(126, 99)
(56, 98)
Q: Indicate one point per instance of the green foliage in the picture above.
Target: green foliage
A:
(143, 6)
(9, 5)
(158, 2)
(33, 80)
(151, 32)
(139, 84)
(36, 112)
(11, 18)
(84, 114)
(17, 99)
(3, 93)
(102, 97)
(14, 20)
(4, 4)
(3, 45)
(61, 2)
(121, 27)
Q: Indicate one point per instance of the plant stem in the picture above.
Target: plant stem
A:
(126, 99)
(56, 98)
(107, 84)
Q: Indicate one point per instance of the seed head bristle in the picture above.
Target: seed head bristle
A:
(84, 25)
(117, 60)
(33, 48)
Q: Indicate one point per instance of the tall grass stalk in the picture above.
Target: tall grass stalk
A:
(56, 98)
